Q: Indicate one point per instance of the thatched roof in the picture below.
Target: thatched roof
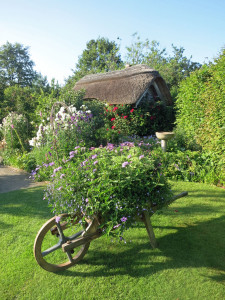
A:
(123, 87)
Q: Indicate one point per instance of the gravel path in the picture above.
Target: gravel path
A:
(14, 179)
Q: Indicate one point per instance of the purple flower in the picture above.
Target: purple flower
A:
(57, 219)
(45, 165)
(50, 153)
(125, 164)
(51, 163)
(141, 156)
(116, 226)
(94, 156)
(62, 175)
(94, 170)
(95, 162)
(59, 189)
(86, 200)
(123, 219)
(57, 169)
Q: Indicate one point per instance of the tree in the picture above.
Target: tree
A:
(100, 55)
(16, 67)
(173, 68)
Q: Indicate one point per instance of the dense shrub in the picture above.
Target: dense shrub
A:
(201, 106)
(142, 121)
(14, 129)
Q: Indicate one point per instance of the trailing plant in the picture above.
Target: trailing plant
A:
(114, 183)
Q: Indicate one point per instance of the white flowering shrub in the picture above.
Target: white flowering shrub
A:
(68, 128)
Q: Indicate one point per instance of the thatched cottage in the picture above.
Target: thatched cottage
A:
(131, 85)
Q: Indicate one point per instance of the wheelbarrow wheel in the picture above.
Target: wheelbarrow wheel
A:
(49, 240)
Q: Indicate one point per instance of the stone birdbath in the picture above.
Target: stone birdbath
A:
(164, 137)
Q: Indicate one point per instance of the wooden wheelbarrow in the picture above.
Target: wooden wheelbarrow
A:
(58, 245)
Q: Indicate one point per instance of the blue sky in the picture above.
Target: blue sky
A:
(57, 31)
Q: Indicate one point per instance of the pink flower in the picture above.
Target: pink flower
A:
(113, 119)
(116, 226)
(141, 156)
(132, 110)
(125, 164)
(113, 127)
(12, 125)
(115, 108)
(125, 117)
(57, 219)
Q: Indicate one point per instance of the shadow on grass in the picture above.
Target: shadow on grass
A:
(197, 246)
(24, 202)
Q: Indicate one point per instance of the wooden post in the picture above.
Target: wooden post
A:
(149, 228)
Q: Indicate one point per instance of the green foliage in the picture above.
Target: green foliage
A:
(201, 106)
(17, 159)
(184, 161)
(195, 166)
(114, 183)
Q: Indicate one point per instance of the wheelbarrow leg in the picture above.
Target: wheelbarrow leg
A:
(149, 228)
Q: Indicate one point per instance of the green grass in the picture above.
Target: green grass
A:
(188, 264)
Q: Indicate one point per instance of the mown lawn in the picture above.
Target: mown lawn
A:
(188, 264)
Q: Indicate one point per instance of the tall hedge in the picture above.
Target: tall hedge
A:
(201, 106)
